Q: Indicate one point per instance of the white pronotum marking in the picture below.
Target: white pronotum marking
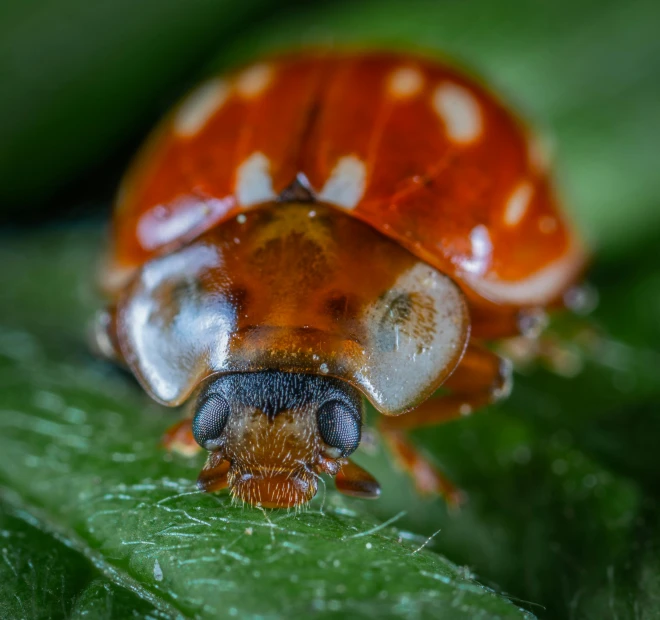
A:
(253, 181)
(460, 112)
(346, 184)
(517, 204)
(254, 80)
(199, 107)
(428, 340)
(405, 82)
(162, 225)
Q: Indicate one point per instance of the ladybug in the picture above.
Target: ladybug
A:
(319, 229)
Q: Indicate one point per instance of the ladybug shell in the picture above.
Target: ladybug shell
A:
(410, 146)
(360, 216)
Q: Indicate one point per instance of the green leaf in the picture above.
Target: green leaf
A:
(41, 577)
(79, 451)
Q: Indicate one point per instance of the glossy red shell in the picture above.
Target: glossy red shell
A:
(410, 146)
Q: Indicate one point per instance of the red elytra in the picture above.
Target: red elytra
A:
(386, 166)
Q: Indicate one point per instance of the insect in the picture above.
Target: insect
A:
(319, 229)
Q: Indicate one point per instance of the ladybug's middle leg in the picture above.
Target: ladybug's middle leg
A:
(481, 378)
(179, 438)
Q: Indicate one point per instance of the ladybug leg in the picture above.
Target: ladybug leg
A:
(179, 438)
(352, 480)
(428, 479)
(102, 336)
(560, 353)
(480, 379)
(213, 476)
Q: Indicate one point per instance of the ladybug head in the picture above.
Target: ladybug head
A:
(270, 434)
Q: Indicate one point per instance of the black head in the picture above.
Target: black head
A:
(270, 433)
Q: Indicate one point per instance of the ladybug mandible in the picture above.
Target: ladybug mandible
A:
(320, 228)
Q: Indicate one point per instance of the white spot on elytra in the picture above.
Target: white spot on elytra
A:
(518, 203)
(482, 248)
(162, 225)
(346, 184)
(199, 107)
(253, 181)
(405, 82)
(254, 80)
(540, 287)
(465, 409)
(459, 110)
(540, 149)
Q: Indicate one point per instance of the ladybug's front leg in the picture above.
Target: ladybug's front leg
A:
(480, 379)
(179, 438)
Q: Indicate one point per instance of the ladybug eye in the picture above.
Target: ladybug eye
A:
(339, 426)
(210, 420)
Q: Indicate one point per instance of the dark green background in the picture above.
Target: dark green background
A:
(95, 521)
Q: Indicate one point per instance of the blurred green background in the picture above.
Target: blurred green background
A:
(563, 478)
